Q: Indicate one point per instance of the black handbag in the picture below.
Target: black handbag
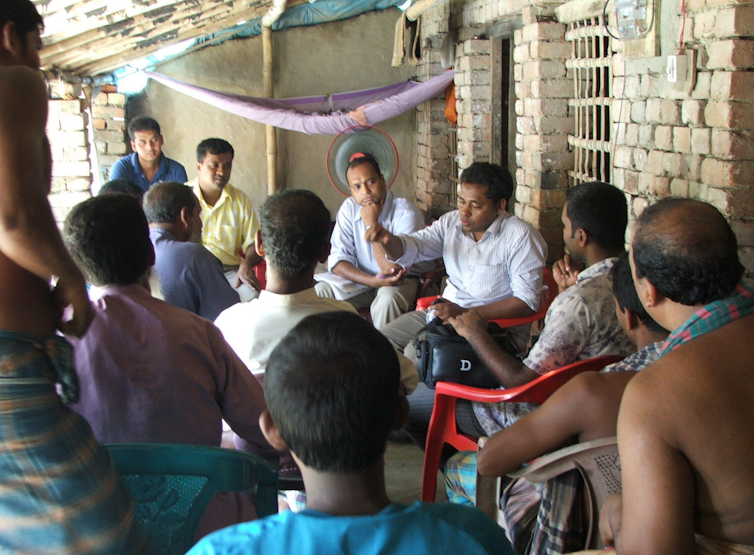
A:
(445, 356)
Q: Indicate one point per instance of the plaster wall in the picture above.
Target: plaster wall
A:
(329, 58)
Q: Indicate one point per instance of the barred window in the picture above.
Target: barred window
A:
(591, 67)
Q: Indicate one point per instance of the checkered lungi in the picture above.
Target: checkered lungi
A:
(59, 493)
(541, 519)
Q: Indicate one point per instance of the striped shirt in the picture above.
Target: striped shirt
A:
(228, 226)
(506, 262)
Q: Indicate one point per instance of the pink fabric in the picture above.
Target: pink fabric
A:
(302, 114)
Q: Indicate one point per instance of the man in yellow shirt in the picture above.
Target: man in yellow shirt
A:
(228, 218)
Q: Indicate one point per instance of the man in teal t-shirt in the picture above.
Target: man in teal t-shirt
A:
(314, 385)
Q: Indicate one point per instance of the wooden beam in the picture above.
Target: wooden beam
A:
(182, 32)
(59, 27)
(117, 43)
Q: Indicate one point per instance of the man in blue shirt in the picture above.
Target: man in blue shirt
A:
(314, 385)
(147, 164)
(190, 276)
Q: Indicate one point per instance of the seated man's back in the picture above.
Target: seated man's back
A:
(417, 529)
(685, 428)
(315, 383)
(708, 387)
(152, 372)
(190, 276)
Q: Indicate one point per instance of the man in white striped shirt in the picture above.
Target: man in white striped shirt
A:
(494, 260)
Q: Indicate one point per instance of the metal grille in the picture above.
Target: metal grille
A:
(591, 66)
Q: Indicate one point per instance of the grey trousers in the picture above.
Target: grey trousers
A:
(385, 303)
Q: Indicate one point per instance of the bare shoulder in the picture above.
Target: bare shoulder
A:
(22, 92)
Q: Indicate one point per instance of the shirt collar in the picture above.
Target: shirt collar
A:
(131, 290)
(224, 194)
(161, 171)
(601, 267)
(274, 299)
(158, 232)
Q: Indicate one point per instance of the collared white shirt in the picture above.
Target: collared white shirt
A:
(399, 216)
(228, 226)
(506, 262)
(255, 328)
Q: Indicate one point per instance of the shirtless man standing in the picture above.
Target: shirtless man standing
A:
(58, 490)
(686, 427)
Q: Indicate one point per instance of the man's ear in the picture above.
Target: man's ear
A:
(401, 412)
(502, 206)
(10, 39)
(258, 243)
(185, 217)
(198, 165)
(581, 237)
(649, 295)
(270, 432)
(632, 320)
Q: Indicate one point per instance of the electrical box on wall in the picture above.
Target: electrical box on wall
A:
(680, 70)
(633, 18)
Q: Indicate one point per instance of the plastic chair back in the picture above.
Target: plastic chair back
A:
(172, 484)
(598, 463)
(442, 425)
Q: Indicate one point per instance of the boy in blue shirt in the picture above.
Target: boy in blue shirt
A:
(314, 385)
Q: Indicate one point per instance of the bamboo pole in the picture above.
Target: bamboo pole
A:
(269, 92)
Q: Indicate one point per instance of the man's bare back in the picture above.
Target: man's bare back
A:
(31, 250)
(689, 419)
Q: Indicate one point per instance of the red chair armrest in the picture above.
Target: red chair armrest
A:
(424, 302)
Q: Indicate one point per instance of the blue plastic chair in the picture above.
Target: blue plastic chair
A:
(172, 484)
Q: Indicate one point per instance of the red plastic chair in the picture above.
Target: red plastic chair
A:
(549, 292)
(442, 425)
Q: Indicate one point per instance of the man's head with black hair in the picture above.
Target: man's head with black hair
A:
(625, 293)
(332, 391)
(164, 201)
(20, 29)
(108, 237)
(598, 213)
(497, 179)
(365, 180)
(146, 139)
(686, 249)
(142, 123)
(125, 186)
(295, 232)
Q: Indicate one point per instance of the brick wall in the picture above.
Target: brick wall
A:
(109, 122)
(696, 144)
(71, 170)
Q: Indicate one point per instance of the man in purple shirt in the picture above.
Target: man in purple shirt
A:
(147, 164)
(190, 276)
(150, 371)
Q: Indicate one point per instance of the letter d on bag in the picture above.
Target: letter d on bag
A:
(465, 365)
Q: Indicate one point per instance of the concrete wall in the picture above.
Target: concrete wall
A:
(329, 58)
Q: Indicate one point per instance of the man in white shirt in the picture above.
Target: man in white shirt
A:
(293, 239)
(392, 288)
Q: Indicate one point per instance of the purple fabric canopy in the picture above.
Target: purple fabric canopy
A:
(301, 114)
